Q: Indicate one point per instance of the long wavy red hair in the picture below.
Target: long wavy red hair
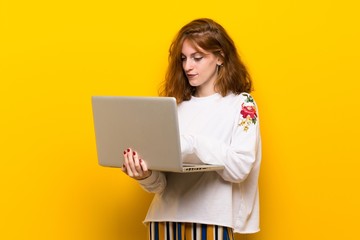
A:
(212, 37)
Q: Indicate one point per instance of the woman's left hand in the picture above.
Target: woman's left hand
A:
(134, 166)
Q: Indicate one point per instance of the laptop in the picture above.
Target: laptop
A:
(148, 125)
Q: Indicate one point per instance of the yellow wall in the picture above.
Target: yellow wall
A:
(54, 55)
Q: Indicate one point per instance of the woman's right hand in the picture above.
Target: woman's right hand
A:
(134, 166)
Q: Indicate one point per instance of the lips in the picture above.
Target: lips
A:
(190, 76)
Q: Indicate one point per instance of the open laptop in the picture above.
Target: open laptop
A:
(148, 125)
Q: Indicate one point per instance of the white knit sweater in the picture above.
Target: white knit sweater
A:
(221, 130)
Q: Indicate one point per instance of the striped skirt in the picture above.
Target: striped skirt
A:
(188, 231)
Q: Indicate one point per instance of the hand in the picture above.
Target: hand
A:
(135, 167)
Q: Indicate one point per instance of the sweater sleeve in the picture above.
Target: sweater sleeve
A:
(155, 183)
(239, 156)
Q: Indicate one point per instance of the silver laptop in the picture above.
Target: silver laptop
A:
(148, 125)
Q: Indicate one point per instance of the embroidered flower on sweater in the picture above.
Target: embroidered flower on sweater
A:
(248, 113)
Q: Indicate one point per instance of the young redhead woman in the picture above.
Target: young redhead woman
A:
(219, 124)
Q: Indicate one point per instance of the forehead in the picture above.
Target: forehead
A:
(190, 47)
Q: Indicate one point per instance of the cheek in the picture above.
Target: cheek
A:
(210, 69)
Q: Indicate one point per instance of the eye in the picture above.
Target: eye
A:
(183, 58)
(197, 59)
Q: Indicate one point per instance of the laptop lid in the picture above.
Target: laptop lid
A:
(148, 125)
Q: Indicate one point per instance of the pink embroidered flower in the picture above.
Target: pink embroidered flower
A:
(248, 111)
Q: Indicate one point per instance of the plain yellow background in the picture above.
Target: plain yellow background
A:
(54, 55)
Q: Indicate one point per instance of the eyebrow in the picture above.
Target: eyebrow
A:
(192, 55)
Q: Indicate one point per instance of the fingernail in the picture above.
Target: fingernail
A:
(128, 150)
(134, 153)
(124, 152)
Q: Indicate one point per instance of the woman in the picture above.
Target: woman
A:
(219, 124)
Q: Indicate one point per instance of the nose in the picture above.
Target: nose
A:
(188, 65)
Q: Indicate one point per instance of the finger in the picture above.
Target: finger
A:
(127, 164)
(145, 171)
(130, 155)
(143, 165)
(126, 160)
(137, 163)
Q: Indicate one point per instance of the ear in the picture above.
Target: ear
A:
(220, 60)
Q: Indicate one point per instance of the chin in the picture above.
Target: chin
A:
(193, 84)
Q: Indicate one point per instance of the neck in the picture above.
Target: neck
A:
(204, 92)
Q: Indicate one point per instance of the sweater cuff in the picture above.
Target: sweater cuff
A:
(151, 179)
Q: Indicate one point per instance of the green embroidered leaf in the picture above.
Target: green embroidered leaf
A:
(248, 98)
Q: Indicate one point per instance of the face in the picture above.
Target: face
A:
(200, 68)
